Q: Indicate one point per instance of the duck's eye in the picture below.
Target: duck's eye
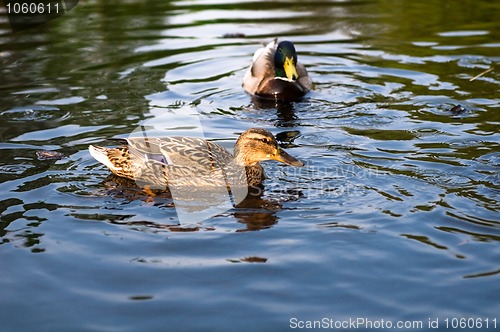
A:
(265, 140)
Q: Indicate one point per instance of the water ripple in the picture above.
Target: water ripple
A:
(400, 191)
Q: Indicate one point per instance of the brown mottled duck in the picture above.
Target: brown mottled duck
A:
(187, 161)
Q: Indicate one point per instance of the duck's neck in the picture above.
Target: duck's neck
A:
(243, 159)
(255, 175)
(280, 72)
(240, 159)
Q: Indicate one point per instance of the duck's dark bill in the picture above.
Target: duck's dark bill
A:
(287, 159)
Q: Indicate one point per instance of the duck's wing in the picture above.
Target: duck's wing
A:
(156, 161)
(304, 80)
(177, 160)
(180, 151)
(135, 160)
(116, 159)
(262, 68)
(196, 153)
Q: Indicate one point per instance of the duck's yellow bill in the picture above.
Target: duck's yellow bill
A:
(290, 70)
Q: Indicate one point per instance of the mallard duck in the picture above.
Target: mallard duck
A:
(276, 74)
(188, 161)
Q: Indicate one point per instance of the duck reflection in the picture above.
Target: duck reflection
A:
(285, 110)
(254, 212)
(127, 189)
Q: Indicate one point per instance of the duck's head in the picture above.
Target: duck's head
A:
(257, 144)
(285, 61)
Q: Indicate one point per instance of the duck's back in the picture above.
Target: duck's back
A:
(198, 154)
(177, 161)
(262, 69)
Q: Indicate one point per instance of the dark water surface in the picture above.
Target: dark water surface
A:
(394, 217)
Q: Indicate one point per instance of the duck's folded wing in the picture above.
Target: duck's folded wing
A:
(196, 153)
(304, 79)
(262, 68)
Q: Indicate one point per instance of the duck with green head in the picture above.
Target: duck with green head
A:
(276, 74)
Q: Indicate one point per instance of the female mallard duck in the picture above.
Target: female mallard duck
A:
(276, 74)
(187, 161)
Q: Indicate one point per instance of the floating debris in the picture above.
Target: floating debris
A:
(234, 35)
(457, 110)
(289, 135)
(254, 259)
(49, 155)
(481, 74)
(251, 259)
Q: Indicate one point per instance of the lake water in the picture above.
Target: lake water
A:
(394, 217)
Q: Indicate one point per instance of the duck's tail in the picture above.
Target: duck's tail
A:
(115, 159)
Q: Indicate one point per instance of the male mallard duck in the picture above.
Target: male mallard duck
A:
(187, 161)
(276, 74)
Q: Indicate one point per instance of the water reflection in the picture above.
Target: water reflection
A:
(255, 211)
(284, 110)
(397, 171)
(24, 238)
(19, 227)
